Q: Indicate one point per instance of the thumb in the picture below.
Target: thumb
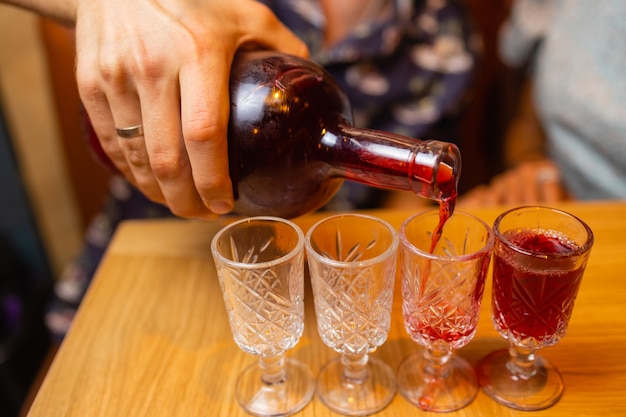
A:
(266, 30)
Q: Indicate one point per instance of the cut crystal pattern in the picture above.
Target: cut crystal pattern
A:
(265, 307)
(353, 304)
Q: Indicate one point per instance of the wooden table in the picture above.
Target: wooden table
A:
(152, 338)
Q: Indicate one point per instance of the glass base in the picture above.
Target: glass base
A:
(352, 398)
(280, 399)
(538, 392)
(452, 392)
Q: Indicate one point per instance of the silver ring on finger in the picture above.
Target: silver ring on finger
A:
(130, 132)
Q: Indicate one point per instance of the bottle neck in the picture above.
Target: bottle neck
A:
(430, 169)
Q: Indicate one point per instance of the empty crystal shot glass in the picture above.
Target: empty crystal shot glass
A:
(352, 262)
(260, 265)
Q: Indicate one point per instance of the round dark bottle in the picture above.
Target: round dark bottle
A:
(292, 142)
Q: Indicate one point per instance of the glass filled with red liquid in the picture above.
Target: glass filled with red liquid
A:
(539, 259)
(443, 277)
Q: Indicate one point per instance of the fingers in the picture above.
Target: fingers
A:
(204, 112)
(168, 158)
(174, 82)
(112, 102)
(266, 30)
(477, 197)
(155, 162)
(549, 180)
(101, 121)
(126, 113)
(534, 182)
(205, 104)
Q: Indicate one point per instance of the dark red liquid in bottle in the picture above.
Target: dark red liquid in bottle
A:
(531, 300)
(291, 143)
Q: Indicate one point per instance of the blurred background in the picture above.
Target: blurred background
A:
(43, 208)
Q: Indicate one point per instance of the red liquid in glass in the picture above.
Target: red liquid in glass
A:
(460, 325)
(440, 321)
(531, 301)
(427, 326)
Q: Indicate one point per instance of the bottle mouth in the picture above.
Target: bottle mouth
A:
(438, 164)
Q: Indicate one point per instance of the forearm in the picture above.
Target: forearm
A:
(63, 11)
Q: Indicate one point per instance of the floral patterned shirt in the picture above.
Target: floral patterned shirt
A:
(406, 72)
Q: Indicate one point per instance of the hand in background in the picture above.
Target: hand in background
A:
(530, 182)
(165, 66)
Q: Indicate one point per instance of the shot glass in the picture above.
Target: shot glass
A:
(260, 265)
(539, 259)
(352, 262)
(442, 288)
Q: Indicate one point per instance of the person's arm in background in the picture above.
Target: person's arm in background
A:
(531, 177)
(165, 65)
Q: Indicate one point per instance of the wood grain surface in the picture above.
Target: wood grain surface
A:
(152, 337)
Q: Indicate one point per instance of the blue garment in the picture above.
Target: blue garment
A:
(580, 87)
(407, 72)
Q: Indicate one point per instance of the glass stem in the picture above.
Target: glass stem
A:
(522, 364)
(435, 370)
(354, 368)
(436, 364)
(273, 369)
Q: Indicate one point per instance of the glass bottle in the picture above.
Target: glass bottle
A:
(292, 142)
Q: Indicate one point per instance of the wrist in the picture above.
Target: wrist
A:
(63, 11)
